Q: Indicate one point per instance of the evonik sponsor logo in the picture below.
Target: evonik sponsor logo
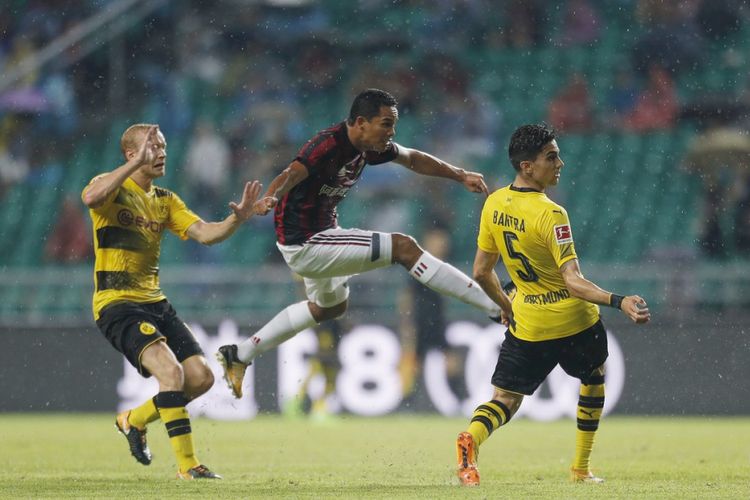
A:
(126, 218)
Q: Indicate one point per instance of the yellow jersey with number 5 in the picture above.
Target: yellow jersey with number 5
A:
(533, 237)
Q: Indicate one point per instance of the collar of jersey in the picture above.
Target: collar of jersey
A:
(138, 186)
(524, 189)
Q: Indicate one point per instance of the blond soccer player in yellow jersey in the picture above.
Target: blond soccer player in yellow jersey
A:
(130, 216)
(555, 317)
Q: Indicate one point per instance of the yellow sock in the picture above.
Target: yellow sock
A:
(172, 411)
(486, 418)
(143, 415)
(590, 405)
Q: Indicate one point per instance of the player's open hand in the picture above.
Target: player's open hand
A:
(265, 205)
(147, 151)
(245, 209)
(636, 309)
(474, 182)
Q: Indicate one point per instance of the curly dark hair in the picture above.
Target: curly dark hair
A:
(528, 141)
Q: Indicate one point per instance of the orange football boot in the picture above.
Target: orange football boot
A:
(466, 452)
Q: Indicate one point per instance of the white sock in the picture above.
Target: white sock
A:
(446, 279)
(283, 326)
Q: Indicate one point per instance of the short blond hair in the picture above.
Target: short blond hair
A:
(130, 139)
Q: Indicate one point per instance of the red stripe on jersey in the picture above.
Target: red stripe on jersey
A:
(316, 148)
(278, 219)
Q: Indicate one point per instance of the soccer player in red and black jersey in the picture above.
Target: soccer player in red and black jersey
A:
(304, 197)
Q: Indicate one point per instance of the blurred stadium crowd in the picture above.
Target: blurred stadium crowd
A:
(651, 96)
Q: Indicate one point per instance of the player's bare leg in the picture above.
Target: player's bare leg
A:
(198, 376)
(440, 276)
(170, 401)
(132, 423)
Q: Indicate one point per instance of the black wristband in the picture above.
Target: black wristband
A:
(616, 300)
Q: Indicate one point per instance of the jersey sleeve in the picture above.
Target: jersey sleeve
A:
(485, 240)
(180, 217)
(557, 235)
(109, 199)
(390, 154)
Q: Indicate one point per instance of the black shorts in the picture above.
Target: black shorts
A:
(522, 365)
(131, 327)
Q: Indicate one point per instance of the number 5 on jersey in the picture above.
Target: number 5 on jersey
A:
(528, 274)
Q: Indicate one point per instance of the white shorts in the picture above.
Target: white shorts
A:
(327, 261)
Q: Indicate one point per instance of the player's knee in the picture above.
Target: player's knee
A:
(205, 381)
(597, 372)
(336, 311)
(512, 401)
(406, 251)
(198, 380)
(596, 377)
(171, 375)
(321, 314)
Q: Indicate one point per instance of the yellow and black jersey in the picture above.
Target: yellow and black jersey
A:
(128, 229)
(532, 235)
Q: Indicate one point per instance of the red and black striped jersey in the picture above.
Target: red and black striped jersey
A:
(334, 165)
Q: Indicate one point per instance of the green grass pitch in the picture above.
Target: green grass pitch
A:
(82, 456)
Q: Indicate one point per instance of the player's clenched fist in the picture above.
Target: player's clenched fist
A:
(636, 309)
(265, 205)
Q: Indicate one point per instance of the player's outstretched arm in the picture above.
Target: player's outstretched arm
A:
(104, 185)
(295, 173)
(210, 233)
(633, 306)
(426, 164)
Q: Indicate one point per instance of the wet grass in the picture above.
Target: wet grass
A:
(81, 456)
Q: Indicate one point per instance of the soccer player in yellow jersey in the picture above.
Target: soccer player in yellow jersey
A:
(130, 216)
(555, 317)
